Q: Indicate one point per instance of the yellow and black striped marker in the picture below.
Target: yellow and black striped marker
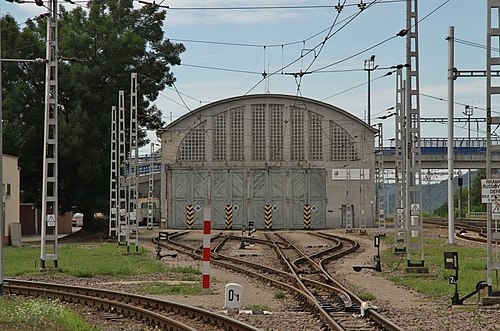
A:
(307, 217)
(229, 217)
(268, 216)
(189, 217)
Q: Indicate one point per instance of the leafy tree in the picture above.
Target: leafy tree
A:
(475, 197)
(475, 191)
(99, 48)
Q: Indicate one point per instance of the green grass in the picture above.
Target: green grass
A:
(471, 262)
(39, 314)
(81, 261)
(366, 296)
(279, 295)
(184, 270)
(160, 288)
(258, 307)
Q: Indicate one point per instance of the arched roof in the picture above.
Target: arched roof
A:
(230, 102)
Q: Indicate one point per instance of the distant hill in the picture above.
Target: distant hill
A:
(433, 195)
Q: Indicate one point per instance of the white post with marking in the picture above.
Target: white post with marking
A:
(233, 296)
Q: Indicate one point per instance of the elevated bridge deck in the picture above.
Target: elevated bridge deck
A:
(468, 153)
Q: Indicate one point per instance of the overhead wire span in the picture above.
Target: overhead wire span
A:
(221, 69)
(272, 7)
(474, 44)
(180, 96)
(402, 33)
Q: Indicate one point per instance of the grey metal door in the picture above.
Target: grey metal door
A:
(179, 199)
(297, 198)
(220, 197)
(188, 188)
(317, 193)
(238, 188)
(277, 198)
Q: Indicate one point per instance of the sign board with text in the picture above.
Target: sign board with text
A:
(490, 190)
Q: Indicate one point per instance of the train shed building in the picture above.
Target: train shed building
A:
(277, 161)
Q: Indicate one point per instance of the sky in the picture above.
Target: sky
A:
(229, 48)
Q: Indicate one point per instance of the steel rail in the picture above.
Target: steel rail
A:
(343, 292)
(297, 280)
(150, 318)
(374, 315)
(138, 300)
(325, 317)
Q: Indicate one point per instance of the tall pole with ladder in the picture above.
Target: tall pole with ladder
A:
(113, 178)
(493, 231)
(400, 176)
(151, 211)
(122, 231)
(49, 249)
(133, 175)
(414, 222)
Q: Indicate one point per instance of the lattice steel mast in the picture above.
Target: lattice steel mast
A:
(380, 177)
(151, 187)
(413, 215)
(133, 228)
(400, 176)
(122, 185)
(49, 229)
(113, 178)
(492, 62)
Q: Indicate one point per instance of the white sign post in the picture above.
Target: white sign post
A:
(51, 220)
(233, 295)
(490, 193)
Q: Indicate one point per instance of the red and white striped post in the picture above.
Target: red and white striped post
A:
(206, 250)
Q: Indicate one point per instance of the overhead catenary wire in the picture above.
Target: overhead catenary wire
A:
(284, 66)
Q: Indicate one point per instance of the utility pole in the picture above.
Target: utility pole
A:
(369, 66)
(451, 100)
(50, 206)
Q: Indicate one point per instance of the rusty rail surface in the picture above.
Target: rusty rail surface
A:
(131, 305)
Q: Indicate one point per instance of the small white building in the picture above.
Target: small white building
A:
(277, 161)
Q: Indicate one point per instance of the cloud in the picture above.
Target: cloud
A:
(178, 17)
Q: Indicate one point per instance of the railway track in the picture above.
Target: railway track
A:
(302, 274)
(465, 228)
(166, 315)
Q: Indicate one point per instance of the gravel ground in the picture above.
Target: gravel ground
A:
(406, 308)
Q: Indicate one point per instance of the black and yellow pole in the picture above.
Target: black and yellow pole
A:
(189, 217)
(229, 217)
(268, 216)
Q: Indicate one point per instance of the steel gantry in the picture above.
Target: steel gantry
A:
(49, 244)
(492, 90)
